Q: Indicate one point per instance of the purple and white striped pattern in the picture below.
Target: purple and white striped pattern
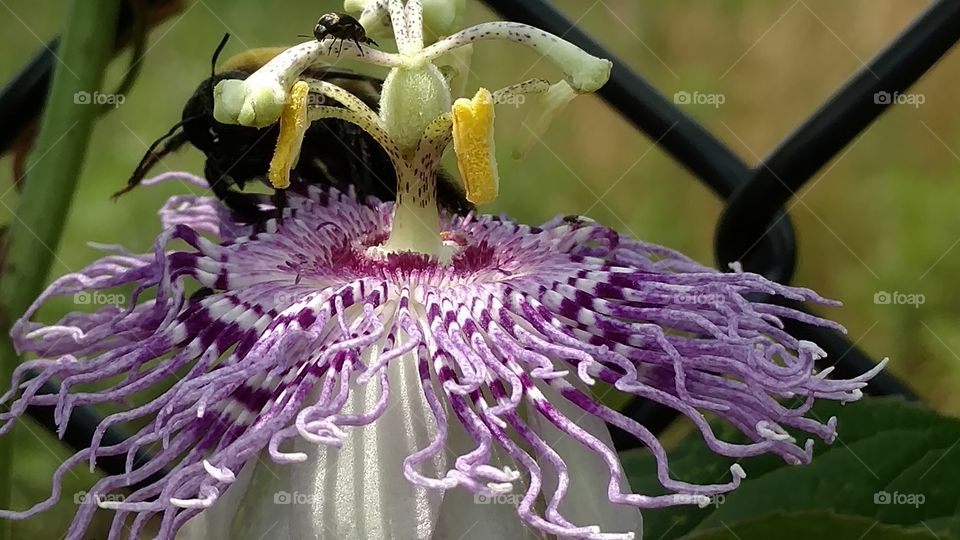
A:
(287, 323)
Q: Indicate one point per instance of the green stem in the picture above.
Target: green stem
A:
(58, 159)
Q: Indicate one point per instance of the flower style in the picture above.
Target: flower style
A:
(381, 370)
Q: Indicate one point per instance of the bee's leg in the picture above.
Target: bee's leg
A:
(359, 48)
(450, 195)
(332, 43)
(243, 206)
(200, 294)
(358, 167)
(340, 50)
(280, 202)
(219, 184)
(353, 171)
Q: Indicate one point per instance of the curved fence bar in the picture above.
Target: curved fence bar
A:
(757, 203)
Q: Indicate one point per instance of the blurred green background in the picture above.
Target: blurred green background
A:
(881, 217)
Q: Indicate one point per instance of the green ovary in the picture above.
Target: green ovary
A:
(411, 99)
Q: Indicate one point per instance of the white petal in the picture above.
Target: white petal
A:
(586, 502)
(355, 492)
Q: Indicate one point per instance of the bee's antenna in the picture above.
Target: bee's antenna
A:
(303, 35)
(216, 54)
(213, 63)
(175, 138)
(171, 141)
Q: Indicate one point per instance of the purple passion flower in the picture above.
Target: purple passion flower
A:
(379, 370)
(312, 387)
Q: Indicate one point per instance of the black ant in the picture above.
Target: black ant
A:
(342, 27)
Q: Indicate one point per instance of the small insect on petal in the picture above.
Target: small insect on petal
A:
(293, 127)
(473, 142)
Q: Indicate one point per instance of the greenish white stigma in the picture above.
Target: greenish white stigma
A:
(418, 118)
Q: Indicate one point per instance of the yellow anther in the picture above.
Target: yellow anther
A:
(473, 142)
(293, 126)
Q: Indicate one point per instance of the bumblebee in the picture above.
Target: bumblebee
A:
(342, 27)
(334, 152)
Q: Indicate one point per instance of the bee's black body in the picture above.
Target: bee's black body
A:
(334, 152)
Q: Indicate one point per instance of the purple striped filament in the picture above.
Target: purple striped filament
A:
(281, 348)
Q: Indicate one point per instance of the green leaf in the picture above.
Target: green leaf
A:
(807, 525)
(852, 478)
(884, 445)
(926, 491)
(940, 527)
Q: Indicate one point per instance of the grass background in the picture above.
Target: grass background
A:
(880, 217)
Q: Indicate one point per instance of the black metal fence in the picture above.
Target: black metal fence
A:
(754, 228)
